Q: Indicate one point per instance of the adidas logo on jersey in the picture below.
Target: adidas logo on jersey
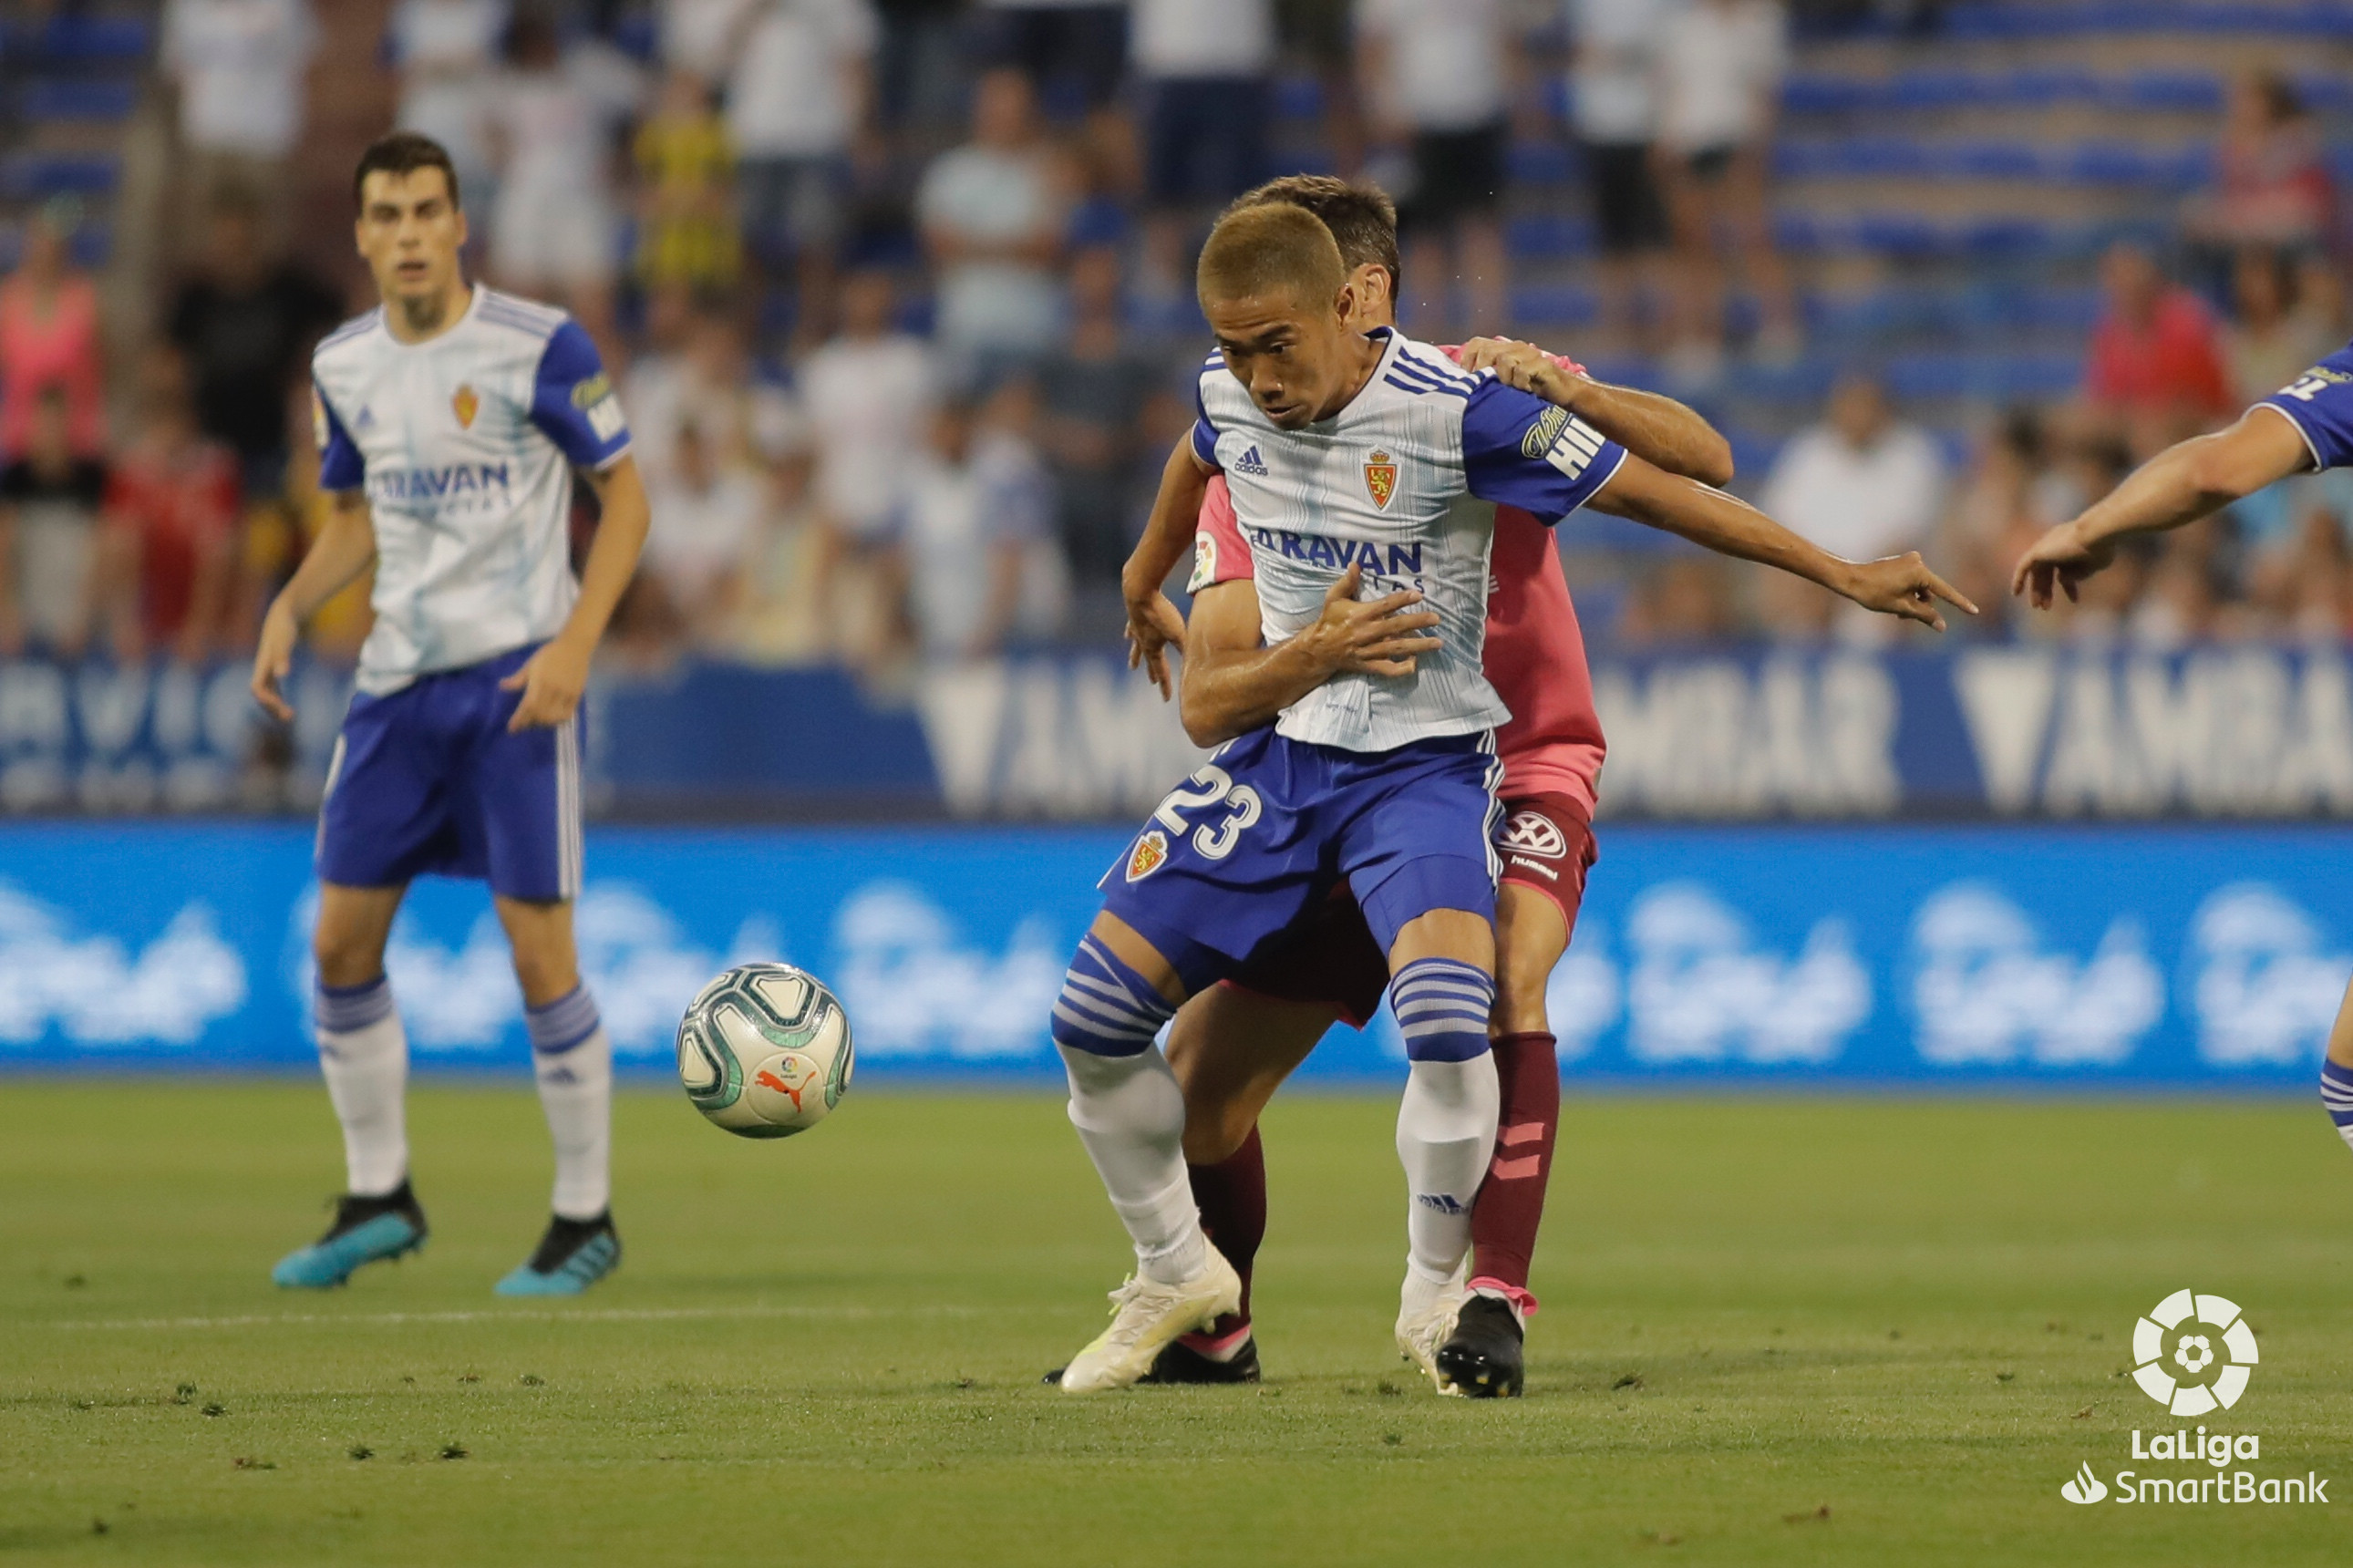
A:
(1250, 462)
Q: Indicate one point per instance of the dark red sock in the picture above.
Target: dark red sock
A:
(1232, 1198)
(1509, 1205)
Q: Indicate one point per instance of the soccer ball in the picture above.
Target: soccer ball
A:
(764, 1050)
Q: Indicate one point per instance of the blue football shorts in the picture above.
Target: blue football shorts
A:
(428, 780)
(1239, 851)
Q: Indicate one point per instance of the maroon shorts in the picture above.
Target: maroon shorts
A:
(1328, 954)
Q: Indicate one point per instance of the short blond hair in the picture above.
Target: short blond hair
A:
(1275, 249)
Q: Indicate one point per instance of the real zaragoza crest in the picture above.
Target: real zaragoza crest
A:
(1150, 854)
(1380, 479)
(465, 405)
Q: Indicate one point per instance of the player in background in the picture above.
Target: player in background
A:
(449, 420)
(1347, 452)
(1233, 1045)
(2306, 425)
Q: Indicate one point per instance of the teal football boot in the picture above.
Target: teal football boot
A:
(366, 1231)
(574, 1255)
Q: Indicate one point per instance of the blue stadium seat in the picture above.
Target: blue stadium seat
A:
(34, 174)
(1543, 163)
(1547, 237)
(71, 97)
(1299, 98)
(88, 39)
(1554, 305)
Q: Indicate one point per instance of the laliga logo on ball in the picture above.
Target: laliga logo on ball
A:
(2175, 1355)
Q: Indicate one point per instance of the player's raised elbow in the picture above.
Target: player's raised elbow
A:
(1205, 725)
(1709, 459)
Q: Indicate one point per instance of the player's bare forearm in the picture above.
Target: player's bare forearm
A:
(1662, 432)
(1900, 585)
(1653, 426)
(345, 548)
(1233, 683)
(2188, 480)
(1168, 532)
(553, 679)
(1152, 622)
(625, 516)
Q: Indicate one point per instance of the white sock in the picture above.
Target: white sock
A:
(1445, 1136)
(572, 1057)
(1131, 1116)
(364, 1056)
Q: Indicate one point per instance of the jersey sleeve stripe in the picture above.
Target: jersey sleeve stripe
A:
(1447, 372)
(1422, 388)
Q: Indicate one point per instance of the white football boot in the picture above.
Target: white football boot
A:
(1147, 1317)
(1426, 1314)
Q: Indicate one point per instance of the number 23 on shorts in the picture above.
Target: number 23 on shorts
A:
(1211, 786)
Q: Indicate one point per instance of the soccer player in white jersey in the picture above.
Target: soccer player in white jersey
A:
(449, 421)
(1345, 452)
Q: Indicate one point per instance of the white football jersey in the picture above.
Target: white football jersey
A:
(1375, 485)
(465, 445)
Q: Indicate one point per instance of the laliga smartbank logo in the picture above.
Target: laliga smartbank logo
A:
(2193, 1354)
(2193, 1365)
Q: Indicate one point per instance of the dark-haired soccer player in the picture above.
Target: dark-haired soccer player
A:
(2305, 427)
(449, 421)
(1345, 452)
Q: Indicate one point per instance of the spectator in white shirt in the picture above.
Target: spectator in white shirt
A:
(1614, 107)
(868, 396)
(704, 514)
(1863, 485)
(1438, 79)
(1203, 65)
(705, 381)
(240, 67)
(992, 213)
(799, 98)
(446, 51)
(1719, 85)
(983, 567)
(552, 120)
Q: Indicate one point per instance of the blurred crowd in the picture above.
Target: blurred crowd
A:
(898, 294)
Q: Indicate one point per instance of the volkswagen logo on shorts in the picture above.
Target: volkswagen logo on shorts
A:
(1533, 833)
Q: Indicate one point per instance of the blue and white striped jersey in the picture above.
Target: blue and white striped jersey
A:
(464, 444)
(1376, 486)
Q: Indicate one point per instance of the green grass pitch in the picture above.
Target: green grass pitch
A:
(1913, 1315)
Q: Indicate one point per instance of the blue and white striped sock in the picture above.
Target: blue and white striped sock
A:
(1127, 1108)
(2336, 1097)
(573, 1060)
(363, 1056)
(1446, 1121)
(1106, 1008)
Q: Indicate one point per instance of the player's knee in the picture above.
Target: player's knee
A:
(544, 976)
(346, 955)
(1215, 1126)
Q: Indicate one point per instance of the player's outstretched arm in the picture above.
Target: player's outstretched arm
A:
(1152, 622)
(1232, 684)
(2188, 480)
(553, 678)
(1664, 433)
(1899, 585)
(345, 545)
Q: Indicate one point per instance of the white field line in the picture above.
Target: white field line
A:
(586, 1314)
